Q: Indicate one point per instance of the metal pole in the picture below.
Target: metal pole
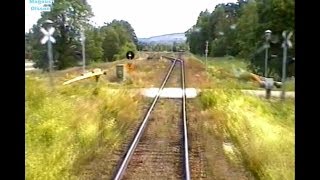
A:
(50, 61)
(266, 61)
(284, 63)
(268, 91)
(267, 36)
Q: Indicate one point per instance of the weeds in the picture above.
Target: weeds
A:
(67, 127)
(233, 73)
(263, 131)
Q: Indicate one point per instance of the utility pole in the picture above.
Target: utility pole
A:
(286, 43)
(267, 45)
(206, 51)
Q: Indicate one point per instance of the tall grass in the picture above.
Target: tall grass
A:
(223, 71)
(68, 126)
(262, 130)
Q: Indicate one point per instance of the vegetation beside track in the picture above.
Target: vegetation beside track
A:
(261, 130)
(229, 72)
(71, 125)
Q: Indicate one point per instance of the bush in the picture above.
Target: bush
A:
(208, 100)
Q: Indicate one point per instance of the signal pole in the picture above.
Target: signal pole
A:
(286, 43)
(267, 45)
(49, 40)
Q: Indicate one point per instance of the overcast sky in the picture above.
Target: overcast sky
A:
(147, 17)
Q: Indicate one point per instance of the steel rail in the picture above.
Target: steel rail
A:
(138, 136)
(184, 116)
(185, 131)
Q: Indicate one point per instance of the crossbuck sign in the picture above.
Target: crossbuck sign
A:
(48, 38)
(47, 35)
(286, 38)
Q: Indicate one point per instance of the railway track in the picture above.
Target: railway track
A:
(159, 149)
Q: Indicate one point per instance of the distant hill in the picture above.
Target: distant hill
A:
(164, 39)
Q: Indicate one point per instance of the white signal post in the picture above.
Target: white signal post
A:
(267, 45)
(285, 45)
(48, 38)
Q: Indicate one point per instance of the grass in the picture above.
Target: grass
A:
(69, 126)
(262, 131)
(225, 73)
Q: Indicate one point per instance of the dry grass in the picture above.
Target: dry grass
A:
(207, 140)
(74, 125)
(71, 125)
(262, 131)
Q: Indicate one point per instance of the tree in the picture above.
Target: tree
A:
(220, 27)
(276, 15)
(129, 46)
(237, 29)
(126, 26)
(212, 27)
(246, 28)
(111, 44)
(93, 44)
(118, 37)
(69, 17)
(199, 33)
(193, 39)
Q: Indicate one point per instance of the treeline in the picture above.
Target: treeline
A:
(174, 47)
(107, 43)
(238, 29)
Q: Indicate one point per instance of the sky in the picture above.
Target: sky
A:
(147, 17)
